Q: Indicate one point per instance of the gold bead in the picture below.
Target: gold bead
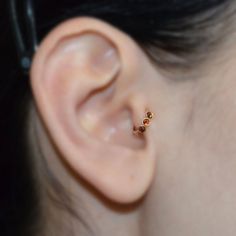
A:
(150, 115)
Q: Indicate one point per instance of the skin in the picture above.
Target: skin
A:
(177, 179)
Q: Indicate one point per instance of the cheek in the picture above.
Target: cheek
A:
(214, 125)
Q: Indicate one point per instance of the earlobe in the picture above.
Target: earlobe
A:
(84, 90)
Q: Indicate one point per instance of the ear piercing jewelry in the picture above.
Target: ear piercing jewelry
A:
(145, 123)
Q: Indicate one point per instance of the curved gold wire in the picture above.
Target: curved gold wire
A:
(145, 123)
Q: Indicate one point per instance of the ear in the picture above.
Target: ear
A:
(88, 80)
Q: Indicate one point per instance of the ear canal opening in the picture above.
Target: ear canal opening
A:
(119, 130)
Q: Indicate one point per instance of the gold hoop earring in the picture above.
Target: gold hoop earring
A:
(145, 123)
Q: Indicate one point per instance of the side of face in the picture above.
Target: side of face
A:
(92, 84)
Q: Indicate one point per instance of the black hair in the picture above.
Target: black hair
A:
(174, 33)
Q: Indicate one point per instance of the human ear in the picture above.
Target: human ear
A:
(87, 79)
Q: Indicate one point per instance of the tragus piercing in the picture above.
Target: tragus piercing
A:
(145, 123)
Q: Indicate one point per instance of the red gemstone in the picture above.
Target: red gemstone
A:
(142, 129)
(146, 122)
